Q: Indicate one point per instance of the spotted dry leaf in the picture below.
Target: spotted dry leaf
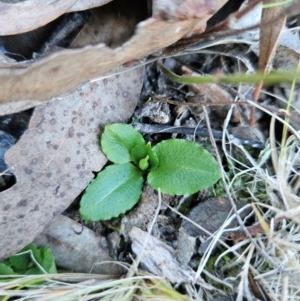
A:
(55, 159)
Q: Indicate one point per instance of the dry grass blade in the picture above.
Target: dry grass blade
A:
(143, 286)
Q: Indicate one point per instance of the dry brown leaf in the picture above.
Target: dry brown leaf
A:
(69, 248)
(269, 36)
(31, 14)
(55, 159)
(184, 9)
(14, 107)
(56, 74)
(84, 4)
(6, 61)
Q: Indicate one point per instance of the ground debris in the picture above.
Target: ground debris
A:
(160, 259)
(82, 253)
(143, 213)
(210, 216)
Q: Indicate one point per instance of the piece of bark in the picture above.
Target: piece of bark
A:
(160, 259)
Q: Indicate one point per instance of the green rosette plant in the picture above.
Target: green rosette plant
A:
(175, 166)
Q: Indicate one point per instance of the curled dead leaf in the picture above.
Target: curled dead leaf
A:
(184, 9)
(31, 14)
(63, 70)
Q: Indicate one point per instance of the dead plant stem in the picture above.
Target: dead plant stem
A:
(232, 201)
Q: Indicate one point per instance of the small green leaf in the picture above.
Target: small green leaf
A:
(143, 164)
(6, 261)
(118, 140)
(5, 269)
(35, 251)
(23, 263)
(115, 190)
(20, 262)
(140, 152)
(34, 271)
(184, 168)
(48, 262)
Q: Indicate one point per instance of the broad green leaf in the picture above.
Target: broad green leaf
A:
(118, 140)
(184, 168)
(115, 190)
(140, 152)
(5, 269)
